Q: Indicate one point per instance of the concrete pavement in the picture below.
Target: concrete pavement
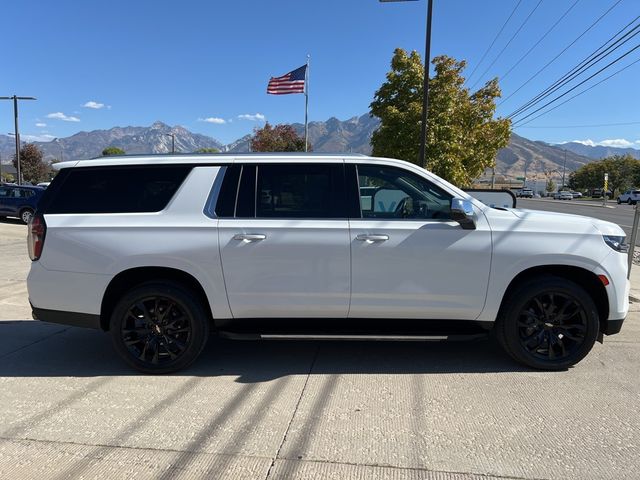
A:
(285, 410)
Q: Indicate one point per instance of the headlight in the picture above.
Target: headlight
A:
(616, 242)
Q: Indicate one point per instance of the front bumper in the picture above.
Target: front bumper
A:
(611, 327)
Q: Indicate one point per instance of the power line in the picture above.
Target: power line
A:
(594, 125)
(561, 52)
(494, 40)
(540, 40)
(580, 93)
(584, 65)
(585, 80)
(508, 43)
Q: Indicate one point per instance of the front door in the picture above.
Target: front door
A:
(285, 253)
(409, 259)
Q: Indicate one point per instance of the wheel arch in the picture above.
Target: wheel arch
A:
(127, 279)
(588, 280)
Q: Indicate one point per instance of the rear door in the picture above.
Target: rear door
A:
(409, 259)
(5, 202)
(285, 249)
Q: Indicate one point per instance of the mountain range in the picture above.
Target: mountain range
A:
(333, 135)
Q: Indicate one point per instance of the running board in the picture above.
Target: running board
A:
(351, 337)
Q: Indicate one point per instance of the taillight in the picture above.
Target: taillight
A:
(35, 238)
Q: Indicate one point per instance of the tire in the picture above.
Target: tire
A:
(25, 215)
(155, 345)
(619, 201)
(525, 331)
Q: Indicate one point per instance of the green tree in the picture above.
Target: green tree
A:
(623, 170)
(207, 150)
(463, 135)
(551, 186)
(281, 138)
(112, 151)
(32, 167)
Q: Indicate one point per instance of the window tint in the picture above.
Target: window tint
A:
(388, 192)
(301, 191)
(226, 203)
(246, 203)
(23, 193)
(117, 189)
(4, 192)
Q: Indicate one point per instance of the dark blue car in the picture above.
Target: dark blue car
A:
(19, 201)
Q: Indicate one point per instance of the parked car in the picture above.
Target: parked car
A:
(525, 193)
(19, 201)
(630, 196)
(160, 251)
(597, 193)
(576, 194)
(563, 195)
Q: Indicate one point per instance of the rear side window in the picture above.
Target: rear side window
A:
(300, 191)
(117, 189)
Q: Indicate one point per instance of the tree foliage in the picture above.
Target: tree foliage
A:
(281, 138)
(32, 167)
(208, 150)
(111, 151)
(551, 186)
(463, 137)
(623, 170)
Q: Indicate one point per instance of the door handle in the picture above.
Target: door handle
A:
(250, 237)
(372, 238)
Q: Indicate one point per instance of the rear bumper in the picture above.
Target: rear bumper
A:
(75, 319)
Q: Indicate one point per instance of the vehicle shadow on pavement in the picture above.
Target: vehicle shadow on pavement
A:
(38, 349)
(13, 221)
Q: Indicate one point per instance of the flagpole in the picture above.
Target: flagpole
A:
(306, 106)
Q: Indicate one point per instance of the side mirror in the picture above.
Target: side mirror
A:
(462, 212)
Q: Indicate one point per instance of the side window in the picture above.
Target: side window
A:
(4, 192)
(23, 193)
(304, 190)
(226, 202)
(389, 192)
(117, 189)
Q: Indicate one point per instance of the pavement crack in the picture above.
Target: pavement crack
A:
(295, 411)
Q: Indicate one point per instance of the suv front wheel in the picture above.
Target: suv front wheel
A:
(548, 323)
(159, 327)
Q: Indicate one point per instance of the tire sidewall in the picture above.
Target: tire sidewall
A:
(22, 214)
(190, 305)
(508, 323)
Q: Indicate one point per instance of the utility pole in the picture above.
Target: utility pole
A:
(15, 99)
(493, 178)
(564, 166)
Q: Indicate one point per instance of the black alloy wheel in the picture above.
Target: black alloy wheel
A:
(549, 323)
(552, 325)
(159, 328)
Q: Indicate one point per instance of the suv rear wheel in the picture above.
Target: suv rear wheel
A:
(159, 327)
(25, 215)
(549, 323)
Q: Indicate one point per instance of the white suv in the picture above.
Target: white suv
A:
(163, 250)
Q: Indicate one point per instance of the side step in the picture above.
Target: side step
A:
(350, 337)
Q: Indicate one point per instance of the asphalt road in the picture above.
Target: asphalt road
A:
(70, 409)
(619, 214)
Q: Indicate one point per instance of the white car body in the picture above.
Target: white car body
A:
(316, 268)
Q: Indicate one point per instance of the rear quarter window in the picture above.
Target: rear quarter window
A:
(126, 189)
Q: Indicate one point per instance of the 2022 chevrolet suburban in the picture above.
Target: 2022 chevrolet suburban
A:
(162, 250)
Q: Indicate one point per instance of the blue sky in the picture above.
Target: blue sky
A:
(189, 61)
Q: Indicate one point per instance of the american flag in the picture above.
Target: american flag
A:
(292, 82)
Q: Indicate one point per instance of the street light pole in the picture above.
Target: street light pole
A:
(173, 141)
(15, 99)
(422, 160)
